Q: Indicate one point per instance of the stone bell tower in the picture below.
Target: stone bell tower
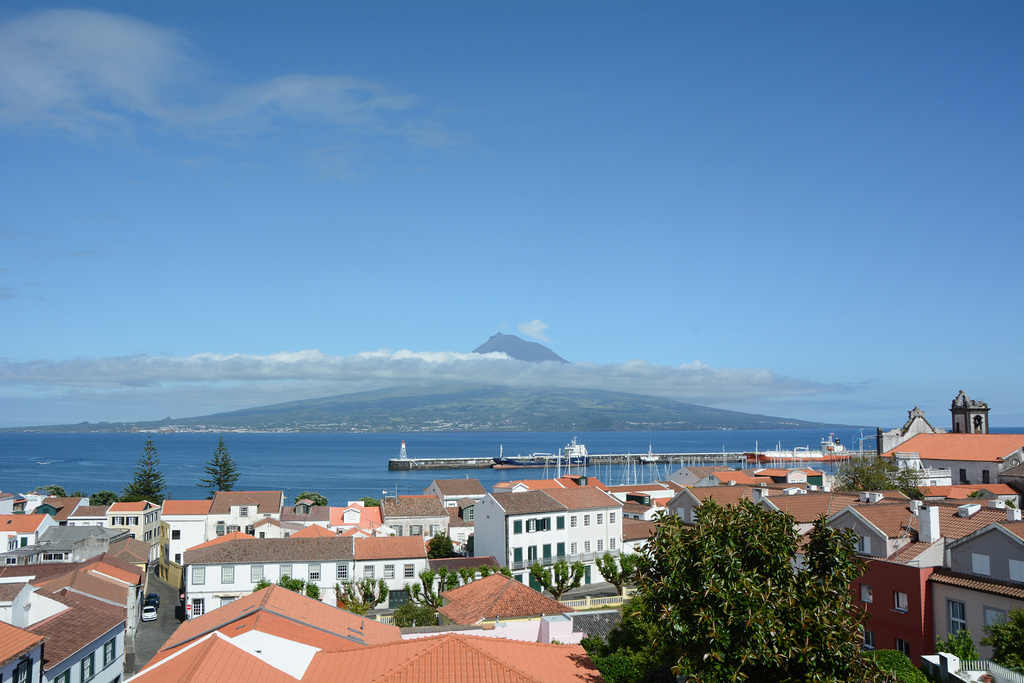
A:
(969, 417)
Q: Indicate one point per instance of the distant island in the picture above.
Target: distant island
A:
(460, 409)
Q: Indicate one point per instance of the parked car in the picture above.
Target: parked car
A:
(152, 599)
(149, 613)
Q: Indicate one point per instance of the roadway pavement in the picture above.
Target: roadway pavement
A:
(151, 635)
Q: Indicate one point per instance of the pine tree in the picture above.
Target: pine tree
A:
(222, 472)
(148, 482)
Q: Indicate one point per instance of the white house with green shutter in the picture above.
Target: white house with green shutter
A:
(546, 526)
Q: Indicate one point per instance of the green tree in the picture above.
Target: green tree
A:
(78, 494)
(873, 473)
(440, 547)
(148, 482)
(221, 471)
(960, 644)
(369, 502)
(54, 490)
(561, 578)
(1005, 637)
(411, 614)
(313, 496)
(722, 601)
(103, 498)
(617, 573)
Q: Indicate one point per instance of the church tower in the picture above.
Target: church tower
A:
(969, 417)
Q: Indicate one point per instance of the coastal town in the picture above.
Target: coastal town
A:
(510, 580)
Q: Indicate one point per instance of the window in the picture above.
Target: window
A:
(250, 529)
(368, 571)
(52, 557)
(227, 574)
(560, 522)
(984, 477)
(175, 534)
(611, 518)
(869, 640)
(64, 677)
(435, 529)
(900, 601)
(468, 513)
(611, 544)
(517, 555)
(398, 529)
(314, 571)
(865, 593)
(903, 646)
(89, 666)
(994, 615)
(109, 651)
(198, 607)
(600, 518)
(963, 475)
(243, 511)
(531, 526)
(342, 572)
(409, 571)
(864, 544)
(415, 529)
(573, 547)
(600, 544)
(586, 520)
(232, 528)
(133, 520)
(22, 672)
(177, 558)
(586, 546)
(220, 528)
(198, 576)
(957, 612)
(572, 521)
(560, 551)
(256, 573)
(979, 564)
(389, 571)
(531, 554)
(1017, 570)
(286, 570)
(517, 526)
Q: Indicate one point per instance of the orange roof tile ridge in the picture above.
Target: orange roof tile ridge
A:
(467, 642)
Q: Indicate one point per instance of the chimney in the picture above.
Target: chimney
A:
(1012, 514)
(928, 524)
(757, 493)
(915, 506)
(870, 496)
(996, 504)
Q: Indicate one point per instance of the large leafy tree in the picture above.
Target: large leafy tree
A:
(1005, 637)
(361, 596)
(317, 498)
(723, 601)
(432, 583)
(103, 498)
(222, 473)
(872, 473)
(561, 578)
(440, 547)
(147, 482)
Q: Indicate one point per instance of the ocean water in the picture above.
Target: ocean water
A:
(346, 467)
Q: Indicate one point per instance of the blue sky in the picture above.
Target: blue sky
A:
(797, 208)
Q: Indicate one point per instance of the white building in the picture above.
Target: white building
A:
(240, 510)
(548, 526)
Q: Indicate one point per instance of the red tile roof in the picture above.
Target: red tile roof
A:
(63, 505)
(313, 531)
(390, 547)
(14, 642)
(457, 658)
(268, 502)
(212, 660)
(233, 536)
(139, 506)
(975, 447)
(459, 487)
(978, 583)
(583, 498)
(496, 596)
(285, 614)
(74, 628)
(187, 507)
(21, 524)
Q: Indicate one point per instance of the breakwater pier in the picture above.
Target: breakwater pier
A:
(594, 459)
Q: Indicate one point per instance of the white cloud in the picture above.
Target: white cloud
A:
(535, 328)
(94, 74)
(184, 386)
